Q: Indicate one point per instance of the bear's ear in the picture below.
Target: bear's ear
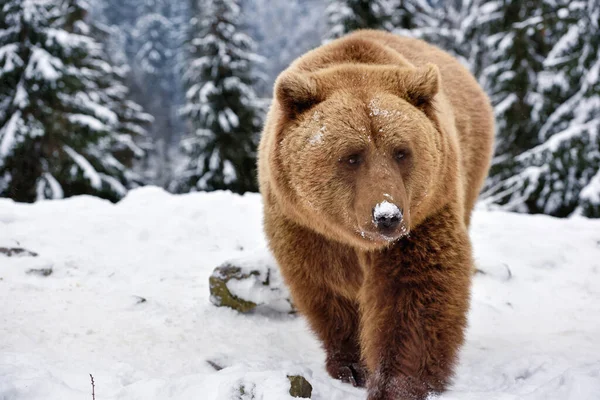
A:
(422, 85)
(296, 92)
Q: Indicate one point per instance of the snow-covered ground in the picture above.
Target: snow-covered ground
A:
(534, 325)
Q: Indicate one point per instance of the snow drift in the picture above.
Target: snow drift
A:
(121, 292)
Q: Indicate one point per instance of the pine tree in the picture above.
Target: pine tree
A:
(277, 42)
(155, 58)
(345, 16)
(424, 19)
(221, 107)
(515, 49)
(155, 78)
(123, 13)
(130, 141)
(560, 176)
(58, 132)
(457, 26)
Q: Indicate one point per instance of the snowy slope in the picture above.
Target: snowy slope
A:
(533, 335)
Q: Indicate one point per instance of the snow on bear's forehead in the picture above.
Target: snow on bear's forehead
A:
(379, 114)
(377, 110)
(319, 132)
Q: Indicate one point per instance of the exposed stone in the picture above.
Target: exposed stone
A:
(40, 271)
(300, 387)
(219, 292)
(17, 252)
(248, 283)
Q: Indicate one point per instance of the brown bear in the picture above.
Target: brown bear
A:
(372, 157)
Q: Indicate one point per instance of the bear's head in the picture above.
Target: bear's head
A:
(359, 148)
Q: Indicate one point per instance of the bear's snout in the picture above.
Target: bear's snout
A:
(386, 216)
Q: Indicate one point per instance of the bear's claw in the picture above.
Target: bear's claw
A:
(350, 372)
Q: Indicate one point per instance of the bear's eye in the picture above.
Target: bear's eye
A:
(401, 154)
(352, 160)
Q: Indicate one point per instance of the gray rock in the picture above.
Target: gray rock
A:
(17, 252)
(40, 271)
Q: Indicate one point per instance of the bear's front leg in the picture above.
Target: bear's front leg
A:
(324, 279)
(335, 321)
(414, 305)
(340, 336)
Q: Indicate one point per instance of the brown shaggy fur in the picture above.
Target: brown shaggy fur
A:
(368, 118)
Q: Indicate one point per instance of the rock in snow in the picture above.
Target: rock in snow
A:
(250, 282)
(16, 252)
(299, 387)
(533, 326)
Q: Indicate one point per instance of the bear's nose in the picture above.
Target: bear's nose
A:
(386, 216)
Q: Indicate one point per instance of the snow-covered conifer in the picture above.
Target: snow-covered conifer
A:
(156, 79)
(58, 130)
(514, 53)
(268, 23)
(561, 174)
(221, 107)
(345, 16)
(457, 26)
